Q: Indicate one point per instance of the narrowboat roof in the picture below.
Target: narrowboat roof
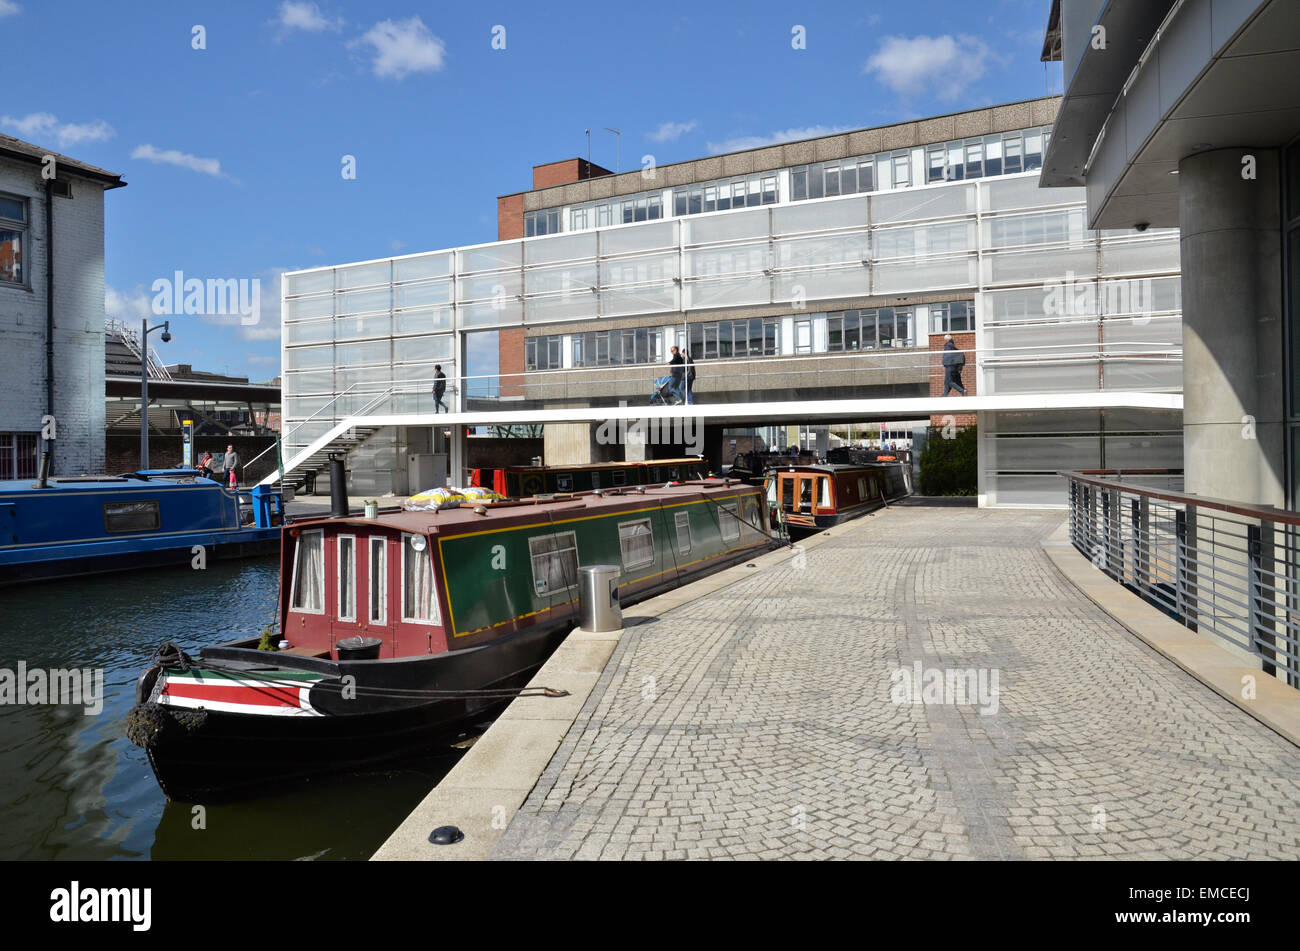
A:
(588, 466)
(463, 518)
(81, 483)
(833, 467)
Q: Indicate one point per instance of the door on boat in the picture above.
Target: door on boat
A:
(346, 619)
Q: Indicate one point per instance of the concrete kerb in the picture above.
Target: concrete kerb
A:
(491, 781)
(1275, 704)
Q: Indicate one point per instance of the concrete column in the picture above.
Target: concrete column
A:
(459, 450)
(1232, 330)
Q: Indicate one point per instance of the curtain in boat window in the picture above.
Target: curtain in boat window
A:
(418, 599)
(347, 584)
(309, 582)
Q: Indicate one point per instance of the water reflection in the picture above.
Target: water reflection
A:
(72, 786)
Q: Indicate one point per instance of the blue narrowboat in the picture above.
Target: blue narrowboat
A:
(72, 526)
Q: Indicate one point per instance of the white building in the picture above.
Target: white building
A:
(52, 357)
(813, 281)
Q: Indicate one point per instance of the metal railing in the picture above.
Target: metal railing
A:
(1228, 569)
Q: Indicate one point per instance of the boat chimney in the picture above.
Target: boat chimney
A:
(43, 480)
(338, 487)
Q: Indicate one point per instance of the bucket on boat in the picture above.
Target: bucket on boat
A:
(359, 648)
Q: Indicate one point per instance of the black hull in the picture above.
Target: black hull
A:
(210, 755)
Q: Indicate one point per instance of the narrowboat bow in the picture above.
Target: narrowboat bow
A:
(807, 499)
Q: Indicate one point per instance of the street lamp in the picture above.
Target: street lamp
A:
(145, 331)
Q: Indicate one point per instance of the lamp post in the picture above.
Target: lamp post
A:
(145, 331)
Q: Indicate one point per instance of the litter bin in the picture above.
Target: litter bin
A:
(599, 609)
(309, 482)
(359, 648)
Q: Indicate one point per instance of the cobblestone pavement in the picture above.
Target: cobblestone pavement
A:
(758, 723)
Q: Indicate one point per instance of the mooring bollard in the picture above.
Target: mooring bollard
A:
(598, 606)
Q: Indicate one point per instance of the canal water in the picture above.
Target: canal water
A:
(73, 787)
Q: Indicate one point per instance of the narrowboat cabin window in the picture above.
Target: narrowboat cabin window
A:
(825, 484)
(683, 520)
(862, 487)
(308, 594)
(131, 516)
(564, 483)
(419, 600)
(378, 580)
(728, 521)
(620, 477)
(347, 583)
(637, 543)
(555, 562)
(595, 478)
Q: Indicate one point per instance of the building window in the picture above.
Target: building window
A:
(18, 455)
(637, 543)
(13, 238)
(955, 317)
(555, 562)
(546, 221)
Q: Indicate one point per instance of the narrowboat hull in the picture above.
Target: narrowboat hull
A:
(299, 724)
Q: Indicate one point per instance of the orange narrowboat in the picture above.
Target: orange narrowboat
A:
(809, 498)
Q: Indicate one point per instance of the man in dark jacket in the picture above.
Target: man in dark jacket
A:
(953, 361)
(675, 365)
(439, 388)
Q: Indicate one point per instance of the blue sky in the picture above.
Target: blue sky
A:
(233, 153)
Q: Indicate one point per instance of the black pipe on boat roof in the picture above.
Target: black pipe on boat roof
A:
(338, 487)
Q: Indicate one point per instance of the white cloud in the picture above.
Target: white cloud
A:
(8, 8)
(44, 125)
(131, 306)
(403, 47)
(205, 166)
(741, 142)
(945, 65)
(671, 131)
(299, 15)
(396, 245)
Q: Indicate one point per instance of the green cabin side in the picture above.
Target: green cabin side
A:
(522, 571)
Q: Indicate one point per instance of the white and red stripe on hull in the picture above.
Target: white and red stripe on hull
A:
(229, 694)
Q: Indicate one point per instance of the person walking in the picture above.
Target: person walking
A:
(690, 379)
(675, 367)
(953, 361)
(439, 388)
(231, 463)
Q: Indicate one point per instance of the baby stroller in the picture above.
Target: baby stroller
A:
(663, 394)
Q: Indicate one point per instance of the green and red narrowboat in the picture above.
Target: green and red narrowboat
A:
(810, 498)
(406, 628)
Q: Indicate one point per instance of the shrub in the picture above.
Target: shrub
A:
(950, 466)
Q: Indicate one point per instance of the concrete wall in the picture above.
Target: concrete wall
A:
(78, 321)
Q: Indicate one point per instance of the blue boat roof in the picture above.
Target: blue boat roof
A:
(83, 482)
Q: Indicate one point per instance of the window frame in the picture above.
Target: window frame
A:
(435, 611)
(732, 508)
(338, 577)
(683, 520)
(633, 525)
(293, 587)
(157, 517)
(23, 229)
(534, 555)
(371, 546)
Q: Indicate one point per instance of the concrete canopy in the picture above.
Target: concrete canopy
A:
(1218, 74)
